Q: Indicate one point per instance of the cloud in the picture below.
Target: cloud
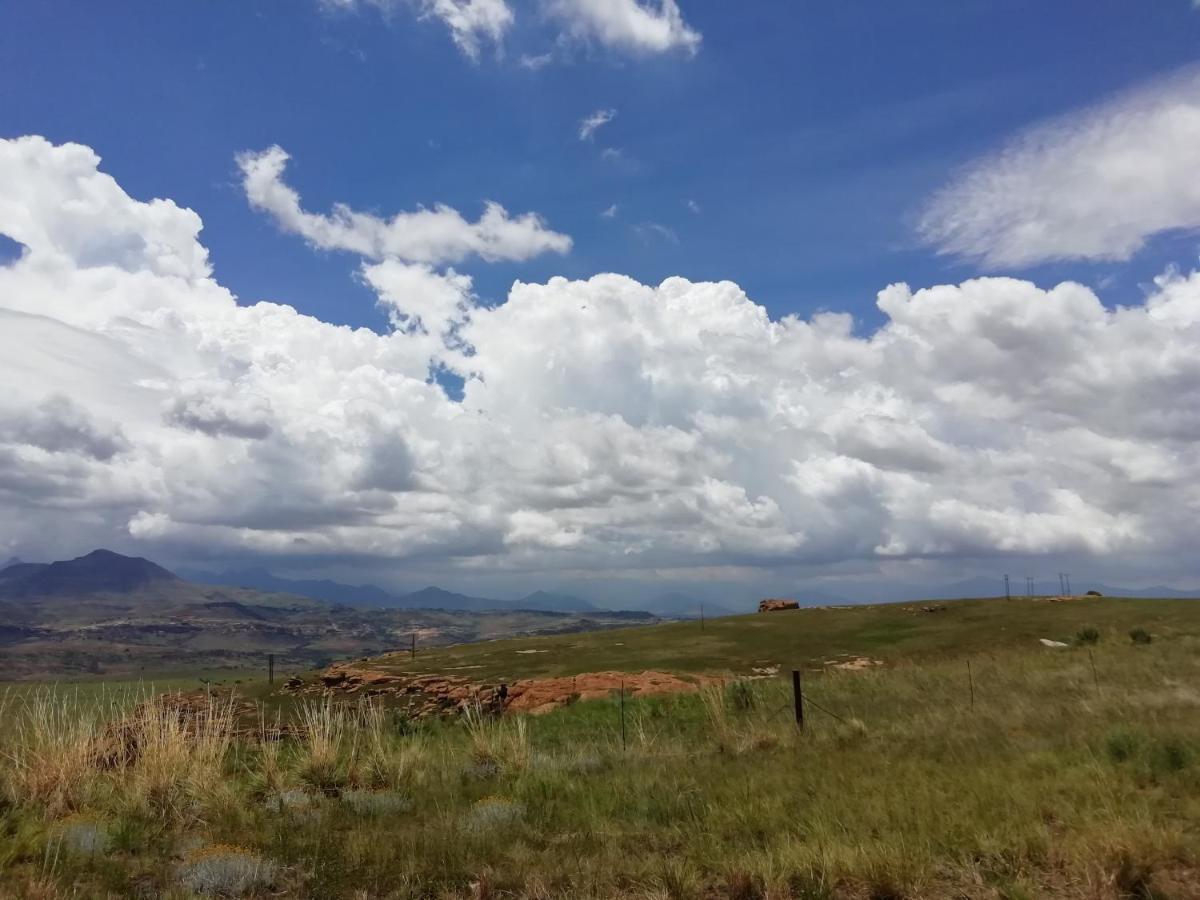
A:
(589, 125)
(1091, 185)
(632, 26)
(59, 425)
(418, 298)
(649, 231)
(471, 22)
(535, 62)
(610, 212)
(605, 425)
(219, 409)
(693, 207)
(432, 236)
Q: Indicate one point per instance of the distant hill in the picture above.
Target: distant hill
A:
(101, 571)
(373, 596)
(543, 600)
(367, 595)
(114, 614)
(439, 598)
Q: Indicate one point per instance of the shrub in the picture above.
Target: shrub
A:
(1140, 636)
(1087, 635)
(376, 803)
(492, 813)
(497, 745)
(325, 728)
(290, 800)
(1170, 755)
(222, 871)
(742, 696)
(85, 837)
(1122, 746)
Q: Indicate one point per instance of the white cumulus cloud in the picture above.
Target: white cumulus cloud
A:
(605, 425)
(434, 236)
(634, 26)
(1091, 185)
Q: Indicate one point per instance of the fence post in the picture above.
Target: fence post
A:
(270, 668)
(798, 699)
(623, 745)
(414, 645)
(971, 682)
(1095, 677)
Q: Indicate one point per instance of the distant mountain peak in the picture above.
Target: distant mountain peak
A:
(101, 571)
(553, 601)
(15, 561)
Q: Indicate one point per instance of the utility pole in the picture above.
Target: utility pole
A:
(1029, 586)
(1067, 575)
(1062, 584)
(1007, 592)
(701, 616)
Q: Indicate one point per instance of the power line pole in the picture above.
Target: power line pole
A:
(1067, 575)
(1062, 584)
(1029, 586)
(1007, 592)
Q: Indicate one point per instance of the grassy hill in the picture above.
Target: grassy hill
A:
(1066, 773)
(808, 638)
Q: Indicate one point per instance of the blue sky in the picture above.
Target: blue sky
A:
(1026, 405)
(808, 134)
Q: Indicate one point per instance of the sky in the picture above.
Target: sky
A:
(615, 296)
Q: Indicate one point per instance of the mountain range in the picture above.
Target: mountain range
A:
(671, 605)
(113, 614)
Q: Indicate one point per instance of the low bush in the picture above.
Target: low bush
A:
(492, 814)
(377, 803)
(1140, 636)
(84, 837)
(222, 871)
(1087, 636)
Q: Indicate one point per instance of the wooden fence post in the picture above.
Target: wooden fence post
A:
(623, 742)
(798, 699)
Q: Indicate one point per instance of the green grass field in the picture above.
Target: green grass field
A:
(1068, 773)
(808, 638)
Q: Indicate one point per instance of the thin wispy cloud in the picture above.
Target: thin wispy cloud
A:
(610, 212)
(471, 22)
(535, 62)
(1091, 185)
(650, 231)
(693, 206)
(593, 123)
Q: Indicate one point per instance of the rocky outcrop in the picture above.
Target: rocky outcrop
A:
(541, 695)
(775, 605)
(434, 695)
